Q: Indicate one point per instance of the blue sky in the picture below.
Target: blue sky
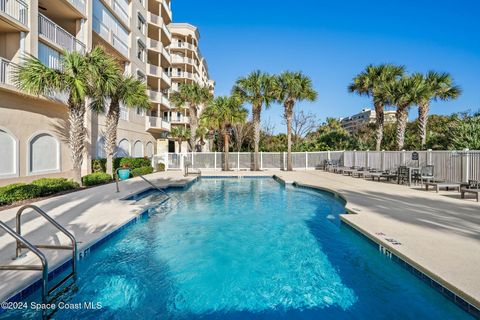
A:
(332, 41)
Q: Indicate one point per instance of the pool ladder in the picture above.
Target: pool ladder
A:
(144, 179)
(22, 243)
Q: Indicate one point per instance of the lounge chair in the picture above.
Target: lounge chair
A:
(441, 185)
(473, 186)
(387, 175)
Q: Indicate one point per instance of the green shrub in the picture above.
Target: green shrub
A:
(134, 163)
(142, 171)
(99, 165)
(50, 186)
(160, 167)
(96, 178)
(17, 192)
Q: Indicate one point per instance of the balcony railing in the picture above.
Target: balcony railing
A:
(59, 36)
(156, 123)
(167, 9)
(17, 9)
(110, 37)
(121, 11)
(156, 20)
(182, 44)
(158, 46)
(158, 97)
(6, 71)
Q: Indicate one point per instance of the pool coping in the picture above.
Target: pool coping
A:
(463, 300)
(25, 290)
(452, 293)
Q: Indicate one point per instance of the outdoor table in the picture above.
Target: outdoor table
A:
(438, 185)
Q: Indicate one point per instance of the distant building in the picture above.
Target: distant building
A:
(357, 121)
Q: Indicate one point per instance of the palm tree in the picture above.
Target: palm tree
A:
(221, 114)
(404, 93)
(180, 134)
(439, 86)
(73, 78)
(256, 89)
(191, 96)
(292, 87)
(128, 91)
(370, 83)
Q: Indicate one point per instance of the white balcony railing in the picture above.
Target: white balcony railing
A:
(17, 9)
(6, 71)
(59, 36)
(156, 124)
(182, 44)
(108, 35)
(167, 8)
(158, 21)
(179, 119)
(122, 10)
(158, 97)
(158, 46)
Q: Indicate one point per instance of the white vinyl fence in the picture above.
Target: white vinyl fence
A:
(459, 166)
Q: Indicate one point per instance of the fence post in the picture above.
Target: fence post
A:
(215, 161)
(261, 160)
(367, 161)
(306, 161)
(382, 161)
(193, 156)
(284, 163)
(182, 161)
(465, 165)
(166, 161)
(328, 155)
(429, 157)
(402, 158)
(238, 161)
(354, 158)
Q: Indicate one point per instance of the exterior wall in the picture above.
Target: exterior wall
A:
(83, 25)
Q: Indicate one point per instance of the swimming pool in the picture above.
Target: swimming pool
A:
(246, 249)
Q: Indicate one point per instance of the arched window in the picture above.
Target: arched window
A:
(138, 149)
(101, 148)
(44, 154)
(123, 149)
(8, 154)
(149, 149)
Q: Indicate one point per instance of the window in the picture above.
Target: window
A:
(141, 51)
(140, 111)
(123, 149)
(149, 149)
(123, 112)
(138, 149)
(44, 154)
(101, 148)
(141, 23)
(8, 156)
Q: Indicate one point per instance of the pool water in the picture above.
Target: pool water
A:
(247, 249)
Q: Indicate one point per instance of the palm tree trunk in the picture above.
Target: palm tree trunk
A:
(402, 119)
(76, 137)
(111, 124)
(256, 136)
(193, 126)
(225, 151)
(179, 145)
(288, 116)
(423, 110)
(379, 121)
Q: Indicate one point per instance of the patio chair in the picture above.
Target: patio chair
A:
(426, 174)
(473, 186)
(402, 175)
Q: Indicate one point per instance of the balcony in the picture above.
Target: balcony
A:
(179, 120)
(156, 71)
(120, 9)
(6, 72)
(158, 21)
(13, 15)
(108, 35)
(167, 9)
(155, 124)
(158, 46)
(182, 45)
(79, 5)
(58, 36)
(158, 97)
(180, 59)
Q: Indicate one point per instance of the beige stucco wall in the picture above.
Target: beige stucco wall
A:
(24, 117)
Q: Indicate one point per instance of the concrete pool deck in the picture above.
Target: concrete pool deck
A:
(439, 233)
(89, 214)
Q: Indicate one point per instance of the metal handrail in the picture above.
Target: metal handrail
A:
(143, 178)
(73, 247)
(40, 255)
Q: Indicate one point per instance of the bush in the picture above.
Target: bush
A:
(18, 191)
(96, 178)
(50, 186)
(142, 171)
(160, 167)
(134, 163)
(99, 165)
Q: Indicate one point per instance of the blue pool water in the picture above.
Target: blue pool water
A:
(247, 249)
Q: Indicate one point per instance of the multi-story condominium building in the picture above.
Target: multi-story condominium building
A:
(367, 116)
(136, 32)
